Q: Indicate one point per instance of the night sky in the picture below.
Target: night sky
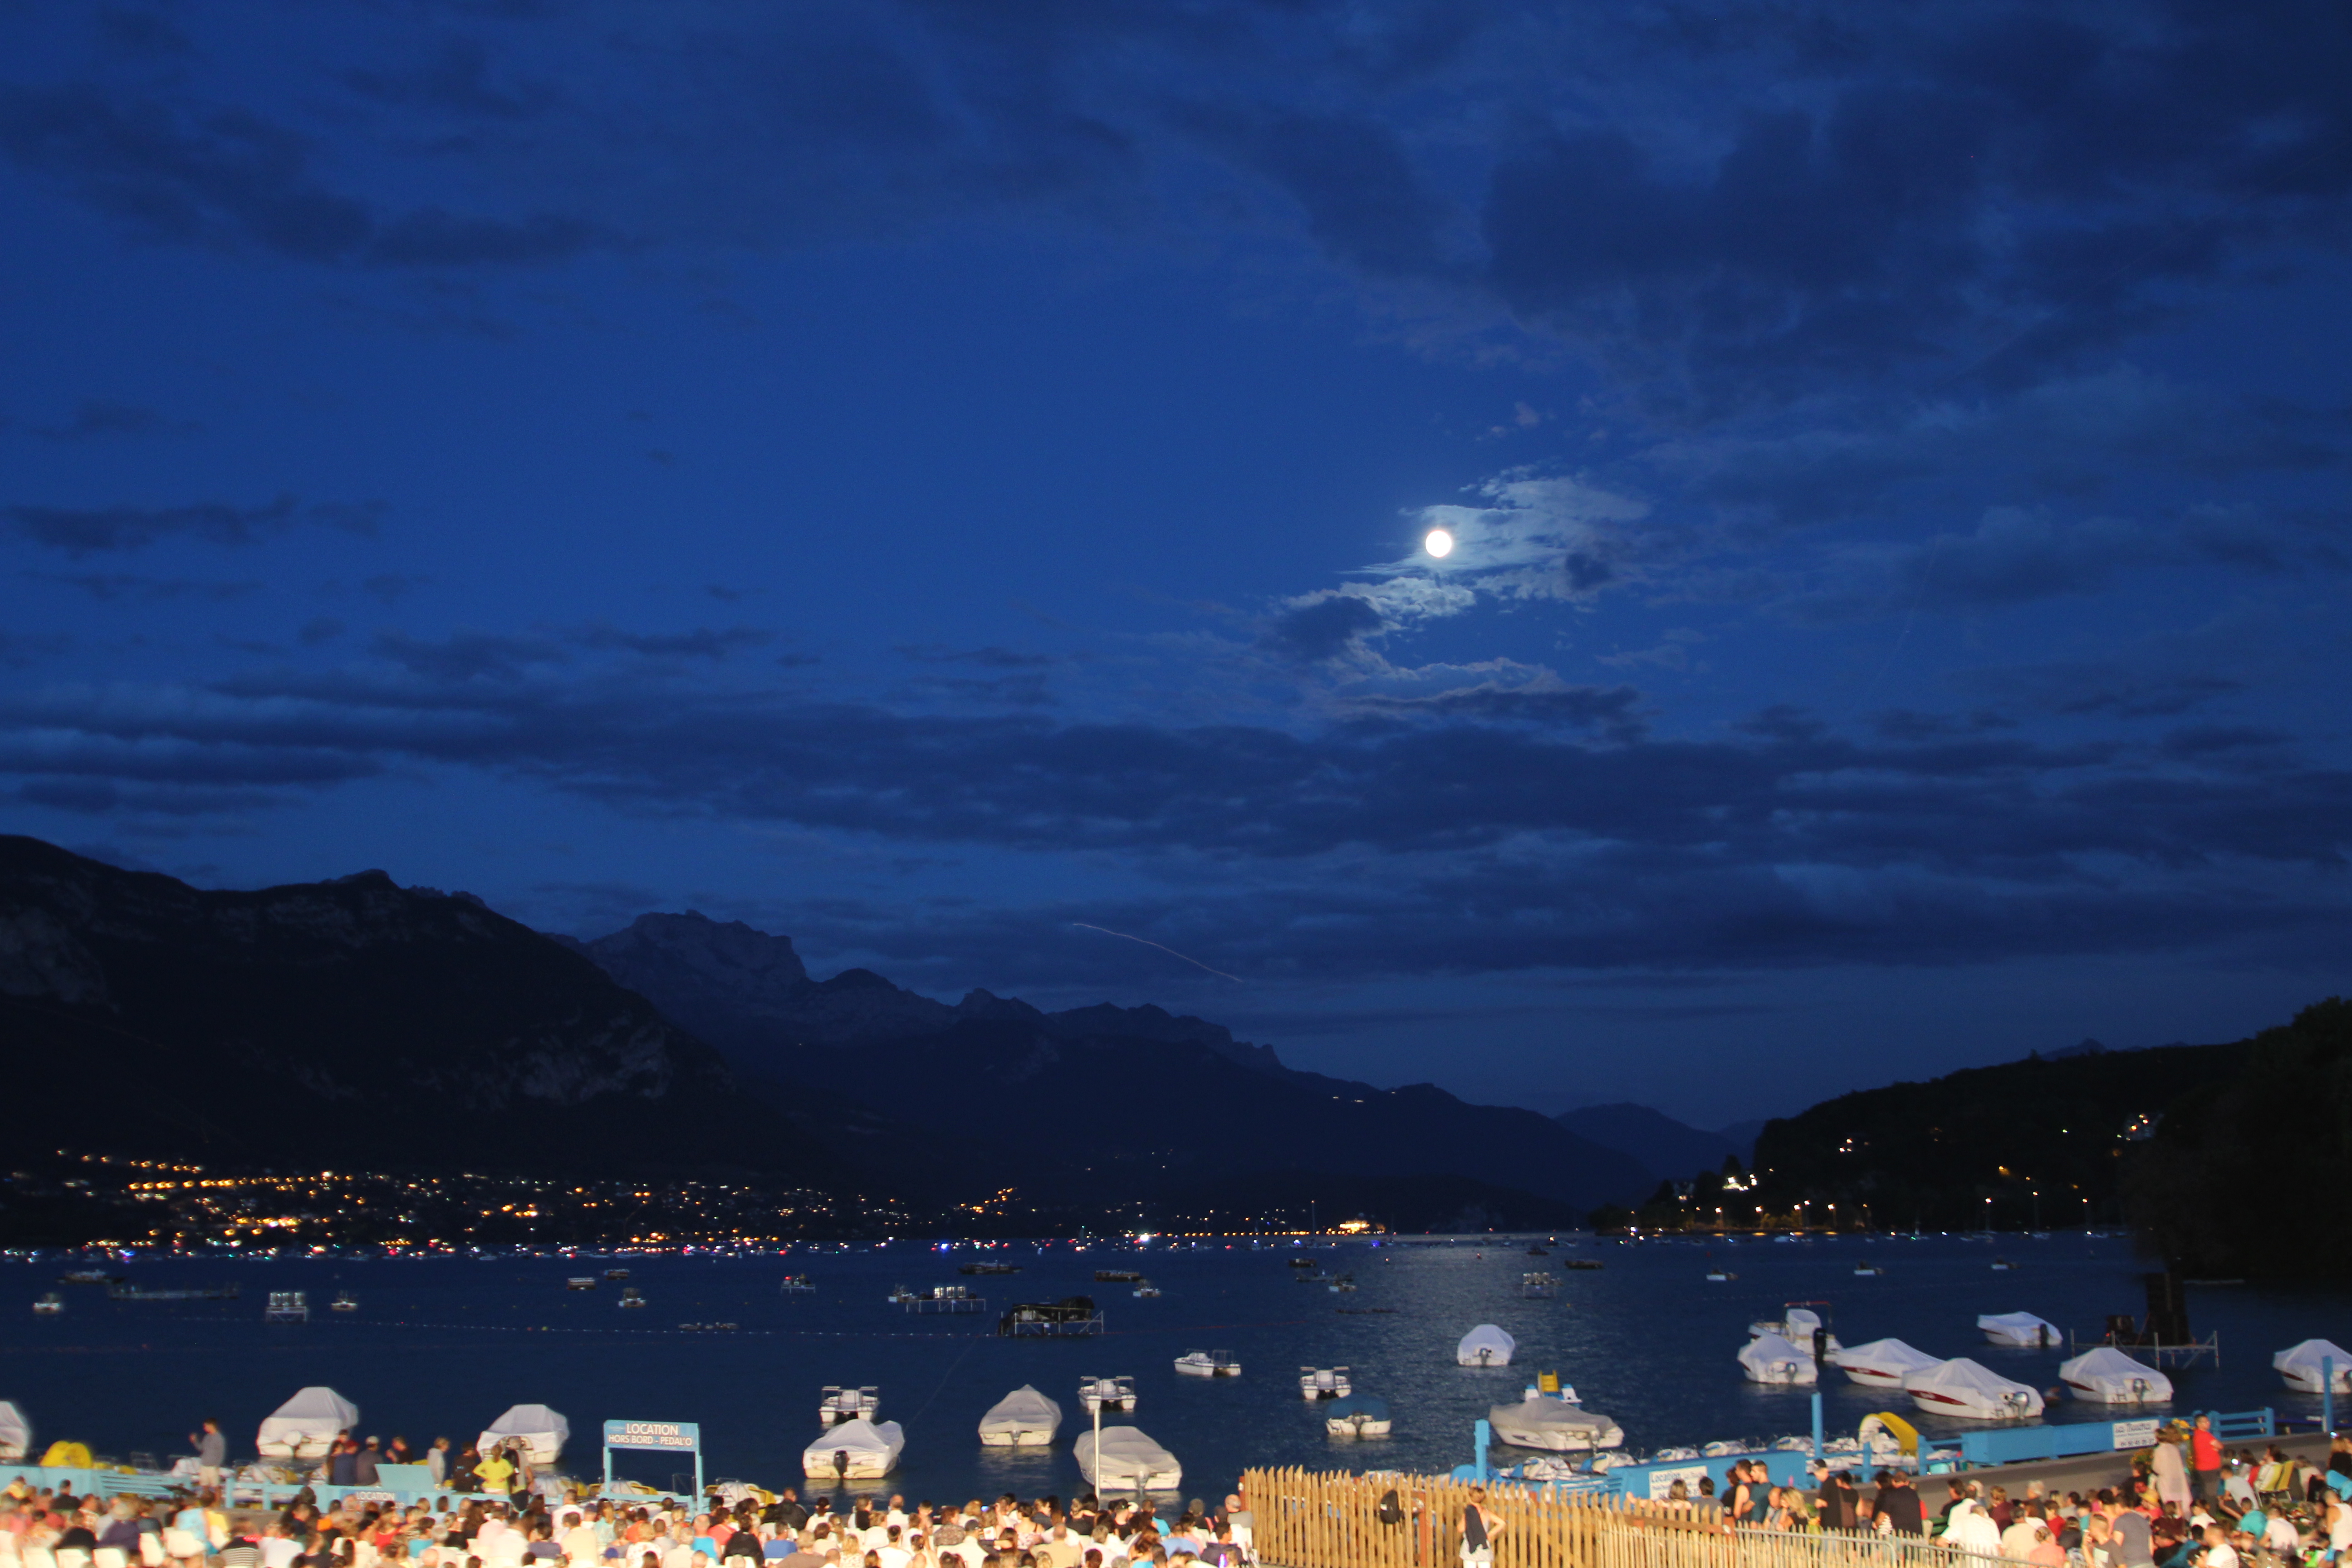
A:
(934, 478)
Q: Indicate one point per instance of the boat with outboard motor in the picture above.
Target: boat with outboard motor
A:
(844, 1401)
(1970, 1391)
(1124, 1460)
(1358, 1415)
(1208, 1363)
(1549, 1415)
(1485, 1345)
(2020, 1331)
(2307, 1368)
(1107, 1393)
(1324, 1383)
(2104, 1375)
(1771, 1359)
(854, 1450)
(1024, 1418)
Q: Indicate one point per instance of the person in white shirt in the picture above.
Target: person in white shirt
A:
(892, 1554)
(2219, 1552)
(1972, 1530)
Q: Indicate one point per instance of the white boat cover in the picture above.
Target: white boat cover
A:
(2107, 1376)
(1022, 1418)
(1485, 1345)
(1971, 1392)
(305, 1426)
(2299, 1364)
(1553, 1424)
(858, 1449)
(2019, 1329)
(544, 1431)
(1769, 1357)
(1882, 1364)
(1128, 1461)
(15, 1432)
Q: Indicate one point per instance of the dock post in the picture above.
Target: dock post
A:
(1817, 1426)
(2327, 1395)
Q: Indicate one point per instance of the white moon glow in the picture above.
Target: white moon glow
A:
(1439, 544)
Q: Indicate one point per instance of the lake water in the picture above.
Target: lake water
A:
(443, 1346)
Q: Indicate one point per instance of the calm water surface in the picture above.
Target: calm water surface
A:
(442, 1346)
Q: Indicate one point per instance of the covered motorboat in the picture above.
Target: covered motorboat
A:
(1485, 1345)
(854, 1450)
(542, 1433)
(2107, 1376)
(1769, 1358)
(1554, 1423)
(1024, 1418)
(1208, 1363)
(1359, 1416)
(306, 1425)
(2019, 1330)
(1128, 1461)
(1882, 1364)
(1971, 1392)
(2301, 1366)
(16, 1434)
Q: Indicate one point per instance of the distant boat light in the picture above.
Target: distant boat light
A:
(1439, 544)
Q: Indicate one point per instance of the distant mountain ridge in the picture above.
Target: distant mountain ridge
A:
(1133, 1102)
(1668, 1148)
(735, 988)
(350, 1023)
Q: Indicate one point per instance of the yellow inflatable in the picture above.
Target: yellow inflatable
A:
(68, 1456)
(1902, 1431)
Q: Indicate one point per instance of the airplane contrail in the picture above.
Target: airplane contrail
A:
(1162, 947)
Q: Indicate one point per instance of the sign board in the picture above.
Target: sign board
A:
(669, 1437)
(2136, 1434)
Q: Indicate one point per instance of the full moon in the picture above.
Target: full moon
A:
(1439, 544)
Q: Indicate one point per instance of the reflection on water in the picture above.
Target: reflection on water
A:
(441, 1347)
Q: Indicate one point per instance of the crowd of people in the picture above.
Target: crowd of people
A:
(52, 1528)
(2189, 1504)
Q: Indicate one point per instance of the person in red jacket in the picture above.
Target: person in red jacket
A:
(2205, 1461)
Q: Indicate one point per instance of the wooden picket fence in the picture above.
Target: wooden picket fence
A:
(1332, 1519)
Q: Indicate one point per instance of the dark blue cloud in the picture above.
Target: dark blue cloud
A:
(1324, 627)
(92, 531)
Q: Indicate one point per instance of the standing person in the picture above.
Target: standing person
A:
(1898, 1505)
(1479, 1527)
(2205, 1457)
(496, 1472)
(212, 1454)
(437, 1460)
(2170, 1472)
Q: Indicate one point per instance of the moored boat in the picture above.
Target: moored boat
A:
(2019, 1330)
(1773, 1359)
(841, 1402)
(1882, 1364)
(1359, 1416)
(2304, 1367)
(1127, 1460)
(1969, 1390)
(1485, 1345)
(2104, 1375)
(1107, 1393)
(538, 1431)
(1208, 1363)
(1324, 1383)
(306, 1425)
(854, 1450)
(1024, 1418)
